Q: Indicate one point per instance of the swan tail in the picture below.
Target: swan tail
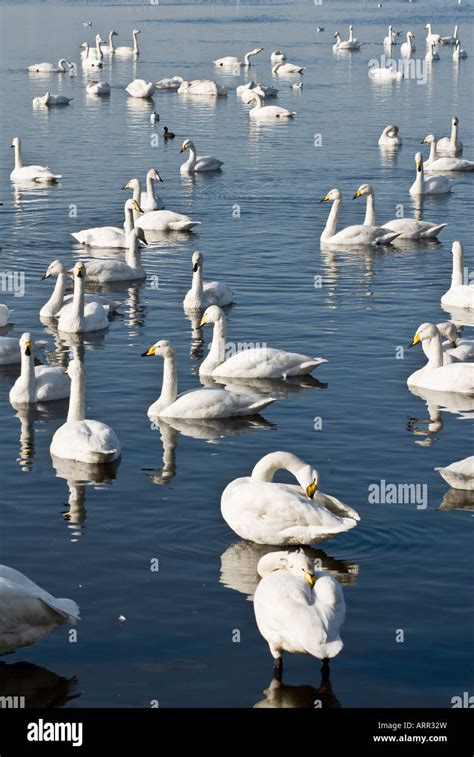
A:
(67, 608)
(184, 225)
(256, 407)
(388, 238)
(78, 237)
(434, 231)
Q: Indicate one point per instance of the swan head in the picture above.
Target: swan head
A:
(153, 174)
(187, 144)
(333, 194)
(25, 343)
(419, 161)
(391, 130)
(15, 142)
(449, 330)
(455, 121)
(308, 478)
(197, 260)
(428, 140)
(54, 269)
(132, 205)
(410, 35)
(212, 314)
(136, 31)
(255, 51)
(301, 566)
(131, 184)
(424, 332)
(457, 250)
(99, 39)
(163, 349)
(363, 191)
(113, 34)
(79, 270)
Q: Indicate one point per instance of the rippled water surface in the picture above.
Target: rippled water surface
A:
(404, 568)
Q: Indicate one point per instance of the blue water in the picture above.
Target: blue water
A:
(403, 568)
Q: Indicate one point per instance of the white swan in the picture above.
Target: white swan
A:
(197, 403)
(266, 91)
(277, 56)
(87, 61)
(28, 612)
(451, 40)
(357, 235)
(97, 88)
(140, 88)
(432, 39)
(9, 351)
(109, 236)
(202, 295)
(390, 137)
(91, 52)
(459, 294)
(5, 314)
(165, 220)
(262, 112)
(298, 609)
(52, 308)
(458, 52)
(130, 50)
(391, 38)
(171, 84)
(286, 68)
(199, 87)
(441, 165)
(80, 439)
(456, 378)
(232, 60)
(459, 475)
(432, 53)
(346, 44)
(408, 228)
(432, 185)
(38, 174)
(456, 347)
(384, 74)
(49, 68)
(110, 49)
(198, 163)
(252, 363)
(111, 269)
(265, 512)
(50, 101)
(409, 46)
(147, 200)
(79, 317)
(451, 145)
(41, 383)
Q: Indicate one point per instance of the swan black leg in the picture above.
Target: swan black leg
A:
(278, 668)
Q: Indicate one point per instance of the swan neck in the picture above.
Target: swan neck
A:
(434, 352)
(18, 159)
(132, 256)
(135, 44)
(433, 154)
(196, 285)
(77, 398)
(129, 219)
(78, 302)
(331, 223)
(27, 376)
(266, 468)
(454, 135)
(456, 276)
(150, 188)
(370, 211)
(169, 388)
(216, 354)
(111, 41)
(56, 300)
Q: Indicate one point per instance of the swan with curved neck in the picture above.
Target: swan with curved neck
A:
(42, 383)
(459, 294)
(79, 317)
(49, 68)
(356, 235)
(456, 377)
(232, 60)
(198, 163)
(37, 174)
(408, 228)
(390, 137)
(202, 295)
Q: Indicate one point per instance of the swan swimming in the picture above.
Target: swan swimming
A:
(432, 53)
(109, 236)
(197, 403)
(432, 185)
(202, 295)
(407, 228)
(409, 46)
(451, 145)
(267, 112)
(432, 39)
(171, 84)
(200, 87)
(5, 314)
(41, 383)
(111, 269)
(9, 351)
(97, 88)
(130, 50)
(390, 137)
(232, 60)
(456, 377)
(260, 510)
(50, 101)
(459, 53)
(451, 40)
(39, 174)
(286, 68)
(277, 56)
(357, 235)
(93, 53)
(147, 200)
(198, 163)
(110, 49)
(141, 88)
(79, 317)
(52, 308)
(435, 163)
(62, 67)
(346, 44)
(459, 294)
(459, 475)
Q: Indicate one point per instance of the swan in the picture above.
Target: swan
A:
(460, 349)
(451, 145)
(252, 363)
(264, 90)
(346, 44)
(97, 88)
(28, 612)
(93, 53)
(165, 220)
(111, 269)
(277, 56)
(80, 439)
(130, 50)
(89, 61)
(148, 200)
(37, 384)
(198, 163)
(202, 295)
(433, 185)
(5, 314)
(391, 38)
(458, 52)
(409, 46)
(171, 84)
(260, 510)
(140, 88)
(197, 403)
(459, 475)
(109, 236)
(390, 137)
(456, 377)
(50, 101)
(231, 60)
(451, 40)
(298, 609)
(286, 68)
(265, 112)
(459, 295)
(199, 87)
(38, 174)
(432, 39)
(408, 228)
(110, 49)
(9, 351)
(359, 235)
(432, 53)
(49, 68)
(79, 317)
(434, 163)
(383, 74)
(52, 308)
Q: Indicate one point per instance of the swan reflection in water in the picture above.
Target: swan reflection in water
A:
(457, 499)
(438, 403)
(29, 415)
(280, 695)
(41, 688)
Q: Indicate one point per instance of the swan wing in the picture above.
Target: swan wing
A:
(266, 362)
(215, 403)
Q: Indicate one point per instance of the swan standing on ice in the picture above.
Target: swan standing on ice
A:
(198, 163)
(451, 145)
(435, 163)
(390, 137)
(80, 439)
(456, 377)
(39, 174)
(286, 68)
(141, 88)
(49, 68)
(459, 295)
(408, 228)
(199, 404)
(267, 112)
(459, 475)
(200, 87)
(298, 609)
(110, 236)
(260, 510)
(232, 60)
(52, 308)
(130, 50)
(79, 317)
(252, 363)
(147, 200)
(41, 383)
(202, 295)
(50, 101)
(28, 612)
(433, 185)
(357, 235)
(111, 269)
(409, 46)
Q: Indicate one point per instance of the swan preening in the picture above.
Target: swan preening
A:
(147, 200)
(199, 404)
(390, 137)
(52, 308)
(110, 236)
(28, 612)
(79, 439)
(111, 269)
(451, 145)
(407, 228)
(459, 475)
(98, 88)
(297, 608)
(456, 377)
(359, 235)
(200, 87)
(62, 67)
(38, 174)
(203, 294)
(50, 101)
(41, 383)
(198, 163)
(432, 185)
(251, 363)
(266, 512)
(171, 84)
(459, 294)
(347, 44)
(277, 56)
(232, 60)
(78, 316)
(444, 164)
(141, 88)
(267, 112)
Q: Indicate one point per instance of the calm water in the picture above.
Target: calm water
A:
(403, 568)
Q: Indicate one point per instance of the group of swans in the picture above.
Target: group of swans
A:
(36, 174)
(444, 164)
(347, 44)
(407, 228)
(147, 200)
(102, 47)
(52, 308)
(436, 375)
(357, 235)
